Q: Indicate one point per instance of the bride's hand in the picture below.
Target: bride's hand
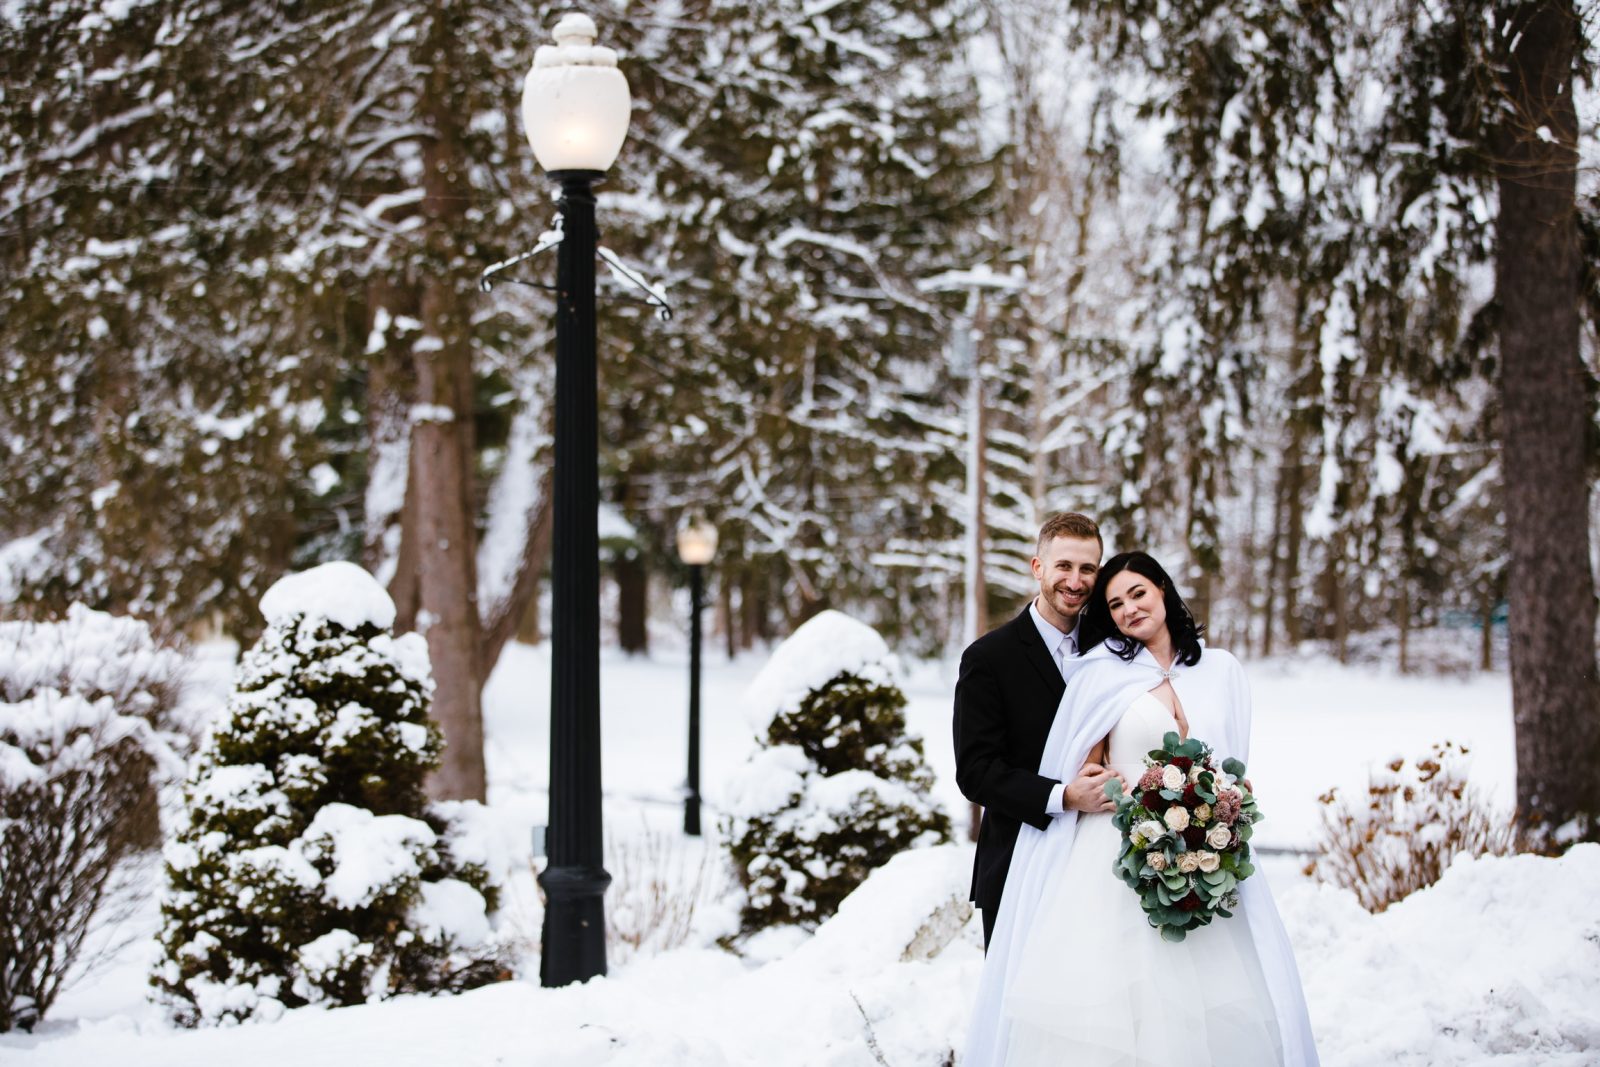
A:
(1087, 792)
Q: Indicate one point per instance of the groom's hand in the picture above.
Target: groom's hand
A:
(1087, 792)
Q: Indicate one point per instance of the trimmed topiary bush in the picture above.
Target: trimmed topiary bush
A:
(838, 786)
(311, 869)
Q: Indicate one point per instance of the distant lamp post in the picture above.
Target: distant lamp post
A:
(697, 544)
(575, 107)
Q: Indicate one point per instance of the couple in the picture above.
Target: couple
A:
(1050, 708)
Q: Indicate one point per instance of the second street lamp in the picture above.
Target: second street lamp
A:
(575, 106)
(697, 544)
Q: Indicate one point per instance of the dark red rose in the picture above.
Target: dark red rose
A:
(1192, 902)
(1154, 801)
(1191, 799)
(1194, 836)
(1183, 763)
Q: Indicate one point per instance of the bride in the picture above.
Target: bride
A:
(1075, 974)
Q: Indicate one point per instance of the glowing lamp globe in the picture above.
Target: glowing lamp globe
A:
(575, 103)
(697, 541)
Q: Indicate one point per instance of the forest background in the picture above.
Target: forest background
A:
(1301, 297)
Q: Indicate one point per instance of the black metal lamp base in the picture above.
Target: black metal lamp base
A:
(574, 933)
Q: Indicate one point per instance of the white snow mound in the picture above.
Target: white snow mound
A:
(340, 592)
(826, 645)
(1499, 959)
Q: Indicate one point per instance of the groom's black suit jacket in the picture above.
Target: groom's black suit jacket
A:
(1006, 697)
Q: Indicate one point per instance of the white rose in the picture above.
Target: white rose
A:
(1171, 777)
(1177, 819)
(1209, 861)
(1218, 837)
(1188, 862)
(1194, 772)
(1150, 830)
(1202, 813)
(1157, 861)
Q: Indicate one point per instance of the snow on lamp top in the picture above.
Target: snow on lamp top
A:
(340, 592)
(575, 103)
(828, 644)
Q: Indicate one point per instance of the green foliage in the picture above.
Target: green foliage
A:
(798, 173)
(857, 792)
(309, 867)
(1163, 864)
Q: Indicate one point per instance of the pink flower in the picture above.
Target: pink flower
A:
(1151, 779)
(1227, 807)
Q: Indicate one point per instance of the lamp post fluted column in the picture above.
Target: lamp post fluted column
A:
(574, 882)
(691, 802)
(575, 106)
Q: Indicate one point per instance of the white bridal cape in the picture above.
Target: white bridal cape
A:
(1216, 701)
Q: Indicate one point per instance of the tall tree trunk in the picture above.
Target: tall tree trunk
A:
(1544, 406)
(447, 550)
(1339, 597)
(405, 587)
(633, 587)
(1275, 568)
(725, 611)
(633, 582)
(442, 447)
(1294, 534)
(977, 602)
(1402, 613)
(1486, 649)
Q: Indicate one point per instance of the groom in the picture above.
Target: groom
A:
(1011, 680)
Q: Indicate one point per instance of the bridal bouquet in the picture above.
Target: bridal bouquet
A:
(1185, 835)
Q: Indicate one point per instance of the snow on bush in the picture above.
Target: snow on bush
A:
(86, 710)
(837, 786)
(1415, 819)
(310, 868)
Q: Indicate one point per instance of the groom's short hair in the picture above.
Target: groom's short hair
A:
(1068, 524)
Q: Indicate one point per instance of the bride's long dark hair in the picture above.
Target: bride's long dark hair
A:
(1096, 626)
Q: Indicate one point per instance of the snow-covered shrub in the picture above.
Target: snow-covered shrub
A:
(311, 868)
(837, 786)
(1417, 817)
(86, 709)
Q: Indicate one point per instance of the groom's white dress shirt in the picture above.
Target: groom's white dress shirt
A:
(1060, 646)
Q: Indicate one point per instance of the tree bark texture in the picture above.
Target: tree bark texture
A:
(447, 554)
(1545, 417)
(443, 455)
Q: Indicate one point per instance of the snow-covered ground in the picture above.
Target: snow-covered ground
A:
(1471, 971)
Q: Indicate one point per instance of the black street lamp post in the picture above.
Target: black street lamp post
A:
(575, 106)
(697, 544)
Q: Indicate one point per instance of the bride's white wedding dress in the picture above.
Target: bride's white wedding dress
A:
(1152, 1002)
(1075, 976)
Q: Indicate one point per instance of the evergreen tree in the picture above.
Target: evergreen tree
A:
(159, 394)
(802, 170)
(309, 868)
(838, 786)
(1378, 160)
